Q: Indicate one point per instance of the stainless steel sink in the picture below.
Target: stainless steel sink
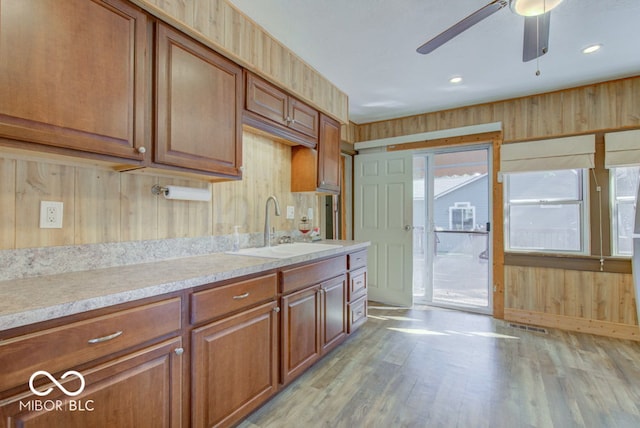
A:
(284, 251)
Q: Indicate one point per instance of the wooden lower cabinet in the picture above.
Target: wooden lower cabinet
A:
(141, 389)
(334, 316)
(301, 324)
(234, 366)
(246, 339)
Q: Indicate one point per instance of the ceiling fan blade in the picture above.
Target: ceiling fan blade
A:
(536, 36)
(462, 26)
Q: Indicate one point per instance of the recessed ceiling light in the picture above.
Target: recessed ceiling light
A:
(591, 49)
(455, 79)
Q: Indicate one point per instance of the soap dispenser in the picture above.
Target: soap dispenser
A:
(236, 239)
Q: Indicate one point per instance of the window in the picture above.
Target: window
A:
(462, 216)
(545, 211)
(624, 187)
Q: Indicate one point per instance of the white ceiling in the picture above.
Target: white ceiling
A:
(367, 48)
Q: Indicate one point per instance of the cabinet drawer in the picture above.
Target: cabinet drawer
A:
(357, 313)
(312, 273)
(356, 260)
(67, 346)
(213, 303)
(357, 283)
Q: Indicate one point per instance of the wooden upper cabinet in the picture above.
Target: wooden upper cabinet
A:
(303, 118)
(286, 117)
(266, 100)
(73, 75)
(329, 155)
(198, 106)
(318, 170)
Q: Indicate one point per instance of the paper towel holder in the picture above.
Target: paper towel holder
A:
(159, 190)
(183, 193)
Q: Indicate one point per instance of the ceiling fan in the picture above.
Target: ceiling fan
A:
(537, 15)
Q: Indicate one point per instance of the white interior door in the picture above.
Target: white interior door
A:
(383, 214)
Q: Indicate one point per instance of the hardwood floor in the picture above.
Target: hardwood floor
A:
(428, 367)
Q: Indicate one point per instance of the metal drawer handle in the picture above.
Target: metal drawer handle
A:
(105, 338)
(242, 296)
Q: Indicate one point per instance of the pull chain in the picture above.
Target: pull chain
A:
(544, 11)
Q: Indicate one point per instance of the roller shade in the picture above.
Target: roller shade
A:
(546, 155)
(622, 148)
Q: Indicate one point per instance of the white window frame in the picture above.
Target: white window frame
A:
(582, 202)
(615, 203)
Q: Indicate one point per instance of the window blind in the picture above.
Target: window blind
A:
(546, 155)
(622, 148)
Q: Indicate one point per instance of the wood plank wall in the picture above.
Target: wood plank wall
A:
(102, 206)
(610, 105)
(595, 302)
(220, 25)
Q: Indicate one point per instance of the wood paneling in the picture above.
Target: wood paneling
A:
(97, 213)
(8, 203)
(220, 25)
(601, 106)
(37, 182)
(101, 205)
(572, 300)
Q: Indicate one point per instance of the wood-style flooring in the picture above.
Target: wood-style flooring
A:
(428, 367)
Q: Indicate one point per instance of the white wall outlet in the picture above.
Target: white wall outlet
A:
(291, 212)
(50, 215)
(310, 213)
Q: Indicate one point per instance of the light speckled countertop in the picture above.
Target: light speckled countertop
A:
(30, 300)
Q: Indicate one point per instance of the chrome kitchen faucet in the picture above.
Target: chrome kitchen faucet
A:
(267, 219)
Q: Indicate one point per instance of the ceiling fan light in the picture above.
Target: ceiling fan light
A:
(533, 7)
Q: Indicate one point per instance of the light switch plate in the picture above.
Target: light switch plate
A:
(291, 211)
(51, 215)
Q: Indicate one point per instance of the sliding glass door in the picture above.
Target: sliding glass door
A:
(452, 231)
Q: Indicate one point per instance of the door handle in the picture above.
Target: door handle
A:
(407, 227)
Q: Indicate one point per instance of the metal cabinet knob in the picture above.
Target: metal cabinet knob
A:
(179, 351)
(276, 309)
(142, 150)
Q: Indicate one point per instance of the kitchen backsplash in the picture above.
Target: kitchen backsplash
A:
(102, 206)
(31, 262)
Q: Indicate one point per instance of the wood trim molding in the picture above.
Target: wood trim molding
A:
(567, 262)
(582, 325)
(448, 141)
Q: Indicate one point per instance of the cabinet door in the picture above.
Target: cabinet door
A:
(142, 389)
(199, 106)
(329, 155)
(234, 366)
(266, 100)
(303, 118)
(301, 345)
(73, 75)
(334, 315)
